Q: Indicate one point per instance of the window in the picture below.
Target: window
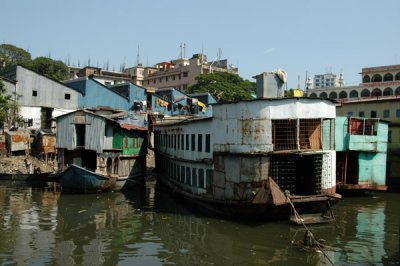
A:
(187, 181)
(389, 136)
(194, 177)
(187, 142)
(199, 142)
(193, 142)
(373, 114)
(175, 141)
(67, 96)
(350, 114)
(34, 93)
(177, 174)
(361, 114)
(182, 179)
(208, 179)
(182, 138)
(185, 74)
(208, 144)
(201, 178)
(386, 113)
(179, 143)
(398, 113)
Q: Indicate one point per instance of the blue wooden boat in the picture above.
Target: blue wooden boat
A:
(78, 179)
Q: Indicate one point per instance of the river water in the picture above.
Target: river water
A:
(146, 226)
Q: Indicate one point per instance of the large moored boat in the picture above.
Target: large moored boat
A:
(257, 159)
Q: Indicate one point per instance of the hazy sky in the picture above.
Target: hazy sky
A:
(314, 36)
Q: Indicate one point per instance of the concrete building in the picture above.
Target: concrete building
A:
(327, 80)
(105, 77)
(376, 82)
(178, 74)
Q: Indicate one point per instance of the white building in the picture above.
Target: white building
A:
(328, 80)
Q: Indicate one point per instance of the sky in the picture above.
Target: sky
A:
(306, 37)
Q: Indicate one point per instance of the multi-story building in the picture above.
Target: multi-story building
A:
(178, 74)
(328, 80)
(105, 77)
(376, 82)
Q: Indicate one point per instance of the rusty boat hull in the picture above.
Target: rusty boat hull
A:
(319, 206)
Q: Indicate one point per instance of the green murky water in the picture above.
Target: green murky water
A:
(146, 226)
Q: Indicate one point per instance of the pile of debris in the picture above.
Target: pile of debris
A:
(22, 164)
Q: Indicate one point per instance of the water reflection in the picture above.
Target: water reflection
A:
(146, 226)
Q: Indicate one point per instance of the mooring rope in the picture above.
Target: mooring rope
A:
(308, 231)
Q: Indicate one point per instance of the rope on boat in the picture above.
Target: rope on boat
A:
(308, 234)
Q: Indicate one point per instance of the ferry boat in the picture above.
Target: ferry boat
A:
(263, 159)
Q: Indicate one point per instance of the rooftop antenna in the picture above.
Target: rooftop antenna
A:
(137, 56)
(305, 81)
(298, 81)
(124, 64)
(181, 53)
(107, 64)
(184, 50)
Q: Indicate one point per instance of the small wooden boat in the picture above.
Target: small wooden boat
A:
(78, 179)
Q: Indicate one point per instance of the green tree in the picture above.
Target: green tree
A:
(11, 55)
(54, 69)
(9, 109)
(225, 87)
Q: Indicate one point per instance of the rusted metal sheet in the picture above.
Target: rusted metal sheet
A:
(48, 144)
(17, 141)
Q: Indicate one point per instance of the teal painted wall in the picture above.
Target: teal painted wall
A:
(341, 135)
(372, 150)
(372, 168)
